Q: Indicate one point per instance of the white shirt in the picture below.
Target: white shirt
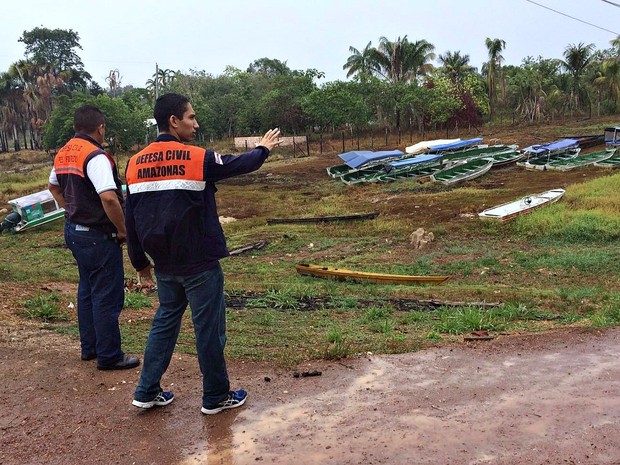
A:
(98, 170)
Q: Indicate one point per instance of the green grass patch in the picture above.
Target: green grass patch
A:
(45, 307)
(557, 266)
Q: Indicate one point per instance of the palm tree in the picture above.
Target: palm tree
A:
(576, 60)
(404, 61)
(11, 109)
(114, 80)
(160, 81)
(495, 47)
(455, 66)
(364, 62)
(609, 79)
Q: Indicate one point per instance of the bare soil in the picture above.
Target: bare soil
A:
(549, 398)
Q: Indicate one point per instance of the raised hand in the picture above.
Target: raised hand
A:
(270, 139)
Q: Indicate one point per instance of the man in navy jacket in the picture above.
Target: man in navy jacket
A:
(171, 216)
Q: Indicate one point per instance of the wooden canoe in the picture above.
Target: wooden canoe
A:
(339, 274)
(324, 219)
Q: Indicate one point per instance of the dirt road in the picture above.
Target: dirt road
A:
(552, 398)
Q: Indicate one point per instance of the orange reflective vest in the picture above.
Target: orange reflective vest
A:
(82, 203)
(166, 166)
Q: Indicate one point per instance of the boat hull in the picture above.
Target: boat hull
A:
(527, 204)
(463, 171)
(324, 219)
(579, 162)
(34, 210)
(327, 272)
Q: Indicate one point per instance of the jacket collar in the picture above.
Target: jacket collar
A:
(167, 138)
(88, 138)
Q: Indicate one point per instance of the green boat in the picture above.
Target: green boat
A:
(365, 175)
(541, 162)
(580, 161)
(338, 170)
(32, 210)
(479, 151)
(611, 162)
(414, 171)
(506, 157)
(466, 171)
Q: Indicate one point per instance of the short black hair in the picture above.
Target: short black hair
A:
(168, 105)
(87, 118)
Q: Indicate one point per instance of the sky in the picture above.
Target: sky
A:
(135, 35)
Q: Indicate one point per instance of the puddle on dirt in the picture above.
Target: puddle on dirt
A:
(453, 407)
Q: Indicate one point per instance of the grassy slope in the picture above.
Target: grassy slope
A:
(554, 267)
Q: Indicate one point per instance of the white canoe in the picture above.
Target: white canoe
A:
(509, 210)
(428, 144)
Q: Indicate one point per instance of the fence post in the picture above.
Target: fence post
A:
(246, 145)
(386, 136)
(307, 144)
(321, 143)
(343, 148)
(372, 139)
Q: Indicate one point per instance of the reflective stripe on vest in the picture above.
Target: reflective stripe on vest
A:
(70, 158)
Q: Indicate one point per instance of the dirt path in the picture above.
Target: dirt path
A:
(545, 399)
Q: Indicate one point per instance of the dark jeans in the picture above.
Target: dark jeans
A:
(101, 292)
(205, 294)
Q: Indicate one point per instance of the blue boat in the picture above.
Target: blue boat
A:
(455, 145)
(411, 161)
(552, 147)
(358, 158)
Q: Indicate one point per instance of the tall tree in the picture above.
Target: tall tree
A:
(161, 81)
(455, 66)
(114, 80)
(576, 60)
(364, 62)
(56, 50)
(404, 61)
(494, 47)
(269, 66)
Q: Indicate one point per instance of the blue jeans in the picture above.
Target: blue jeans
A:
(205, 294)
(101, 292)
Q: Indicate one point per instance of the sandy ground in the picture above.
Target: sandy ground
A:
(551, 398)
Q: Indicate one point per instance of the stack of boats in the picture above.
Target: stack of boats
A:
(449, 161)
(563, 155)
(446, 160)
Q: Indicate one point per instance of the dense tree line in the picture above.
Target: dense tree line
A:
(394, 85)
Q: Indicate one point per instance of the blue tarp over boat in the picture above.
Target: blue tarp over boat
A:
(413, 161)
(456, 145)
(562, 144)
(357, 158)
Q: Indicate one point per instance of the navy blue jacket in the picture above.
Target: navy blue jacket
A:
(171, 211)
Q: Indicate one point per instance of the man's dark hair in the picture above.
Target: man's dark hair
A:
(87, 118)
(168, 105)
